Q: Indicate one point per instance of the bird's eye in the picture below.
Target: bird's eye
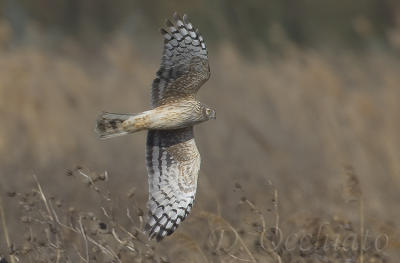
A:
(208, 111)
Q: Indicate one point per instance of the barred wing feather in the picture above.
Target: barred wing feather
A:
(184, 64)
(173, 164)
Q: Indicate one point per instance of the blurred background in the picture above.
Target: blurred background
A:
(304, 89)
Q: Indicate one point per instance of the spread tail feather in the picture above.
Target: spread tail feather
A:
(113, 124)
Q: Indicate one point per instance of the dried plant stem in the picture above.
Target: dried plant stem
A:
(242, 243)
(262, 235)
(58, 251)
(193, 243)
(237, 258)
(52, 215)
(5, 229)
(231, 228)
(276, 209)
(43, 197)
(83, 232)
(361, 229)
(263, 224)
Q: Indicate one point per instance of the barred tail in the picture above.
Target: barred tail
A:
(113, 124)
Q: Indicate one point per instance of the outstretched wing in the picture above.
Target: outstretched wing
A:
(173, 164)
(184, 64)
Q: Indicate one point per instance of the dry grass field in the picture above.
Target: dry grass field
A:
(301, 165)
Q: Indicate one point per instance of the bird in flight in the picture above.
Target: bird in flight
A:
(172, 158)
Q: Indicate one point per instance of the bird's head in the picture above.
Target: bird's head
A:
(209, 114)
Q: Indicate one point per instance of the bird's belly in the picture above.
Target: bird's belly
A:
(170, 118)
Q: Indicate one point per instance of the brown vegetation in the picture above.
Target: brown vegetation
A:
(322, 126)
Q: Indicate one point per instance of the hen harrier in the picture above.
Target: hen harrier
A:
(173, 161)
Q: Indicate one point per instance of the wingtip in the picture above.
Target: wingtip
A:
(168, 23)
(176, 16)
(185, 18)
(153, 235)
(164, 32)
